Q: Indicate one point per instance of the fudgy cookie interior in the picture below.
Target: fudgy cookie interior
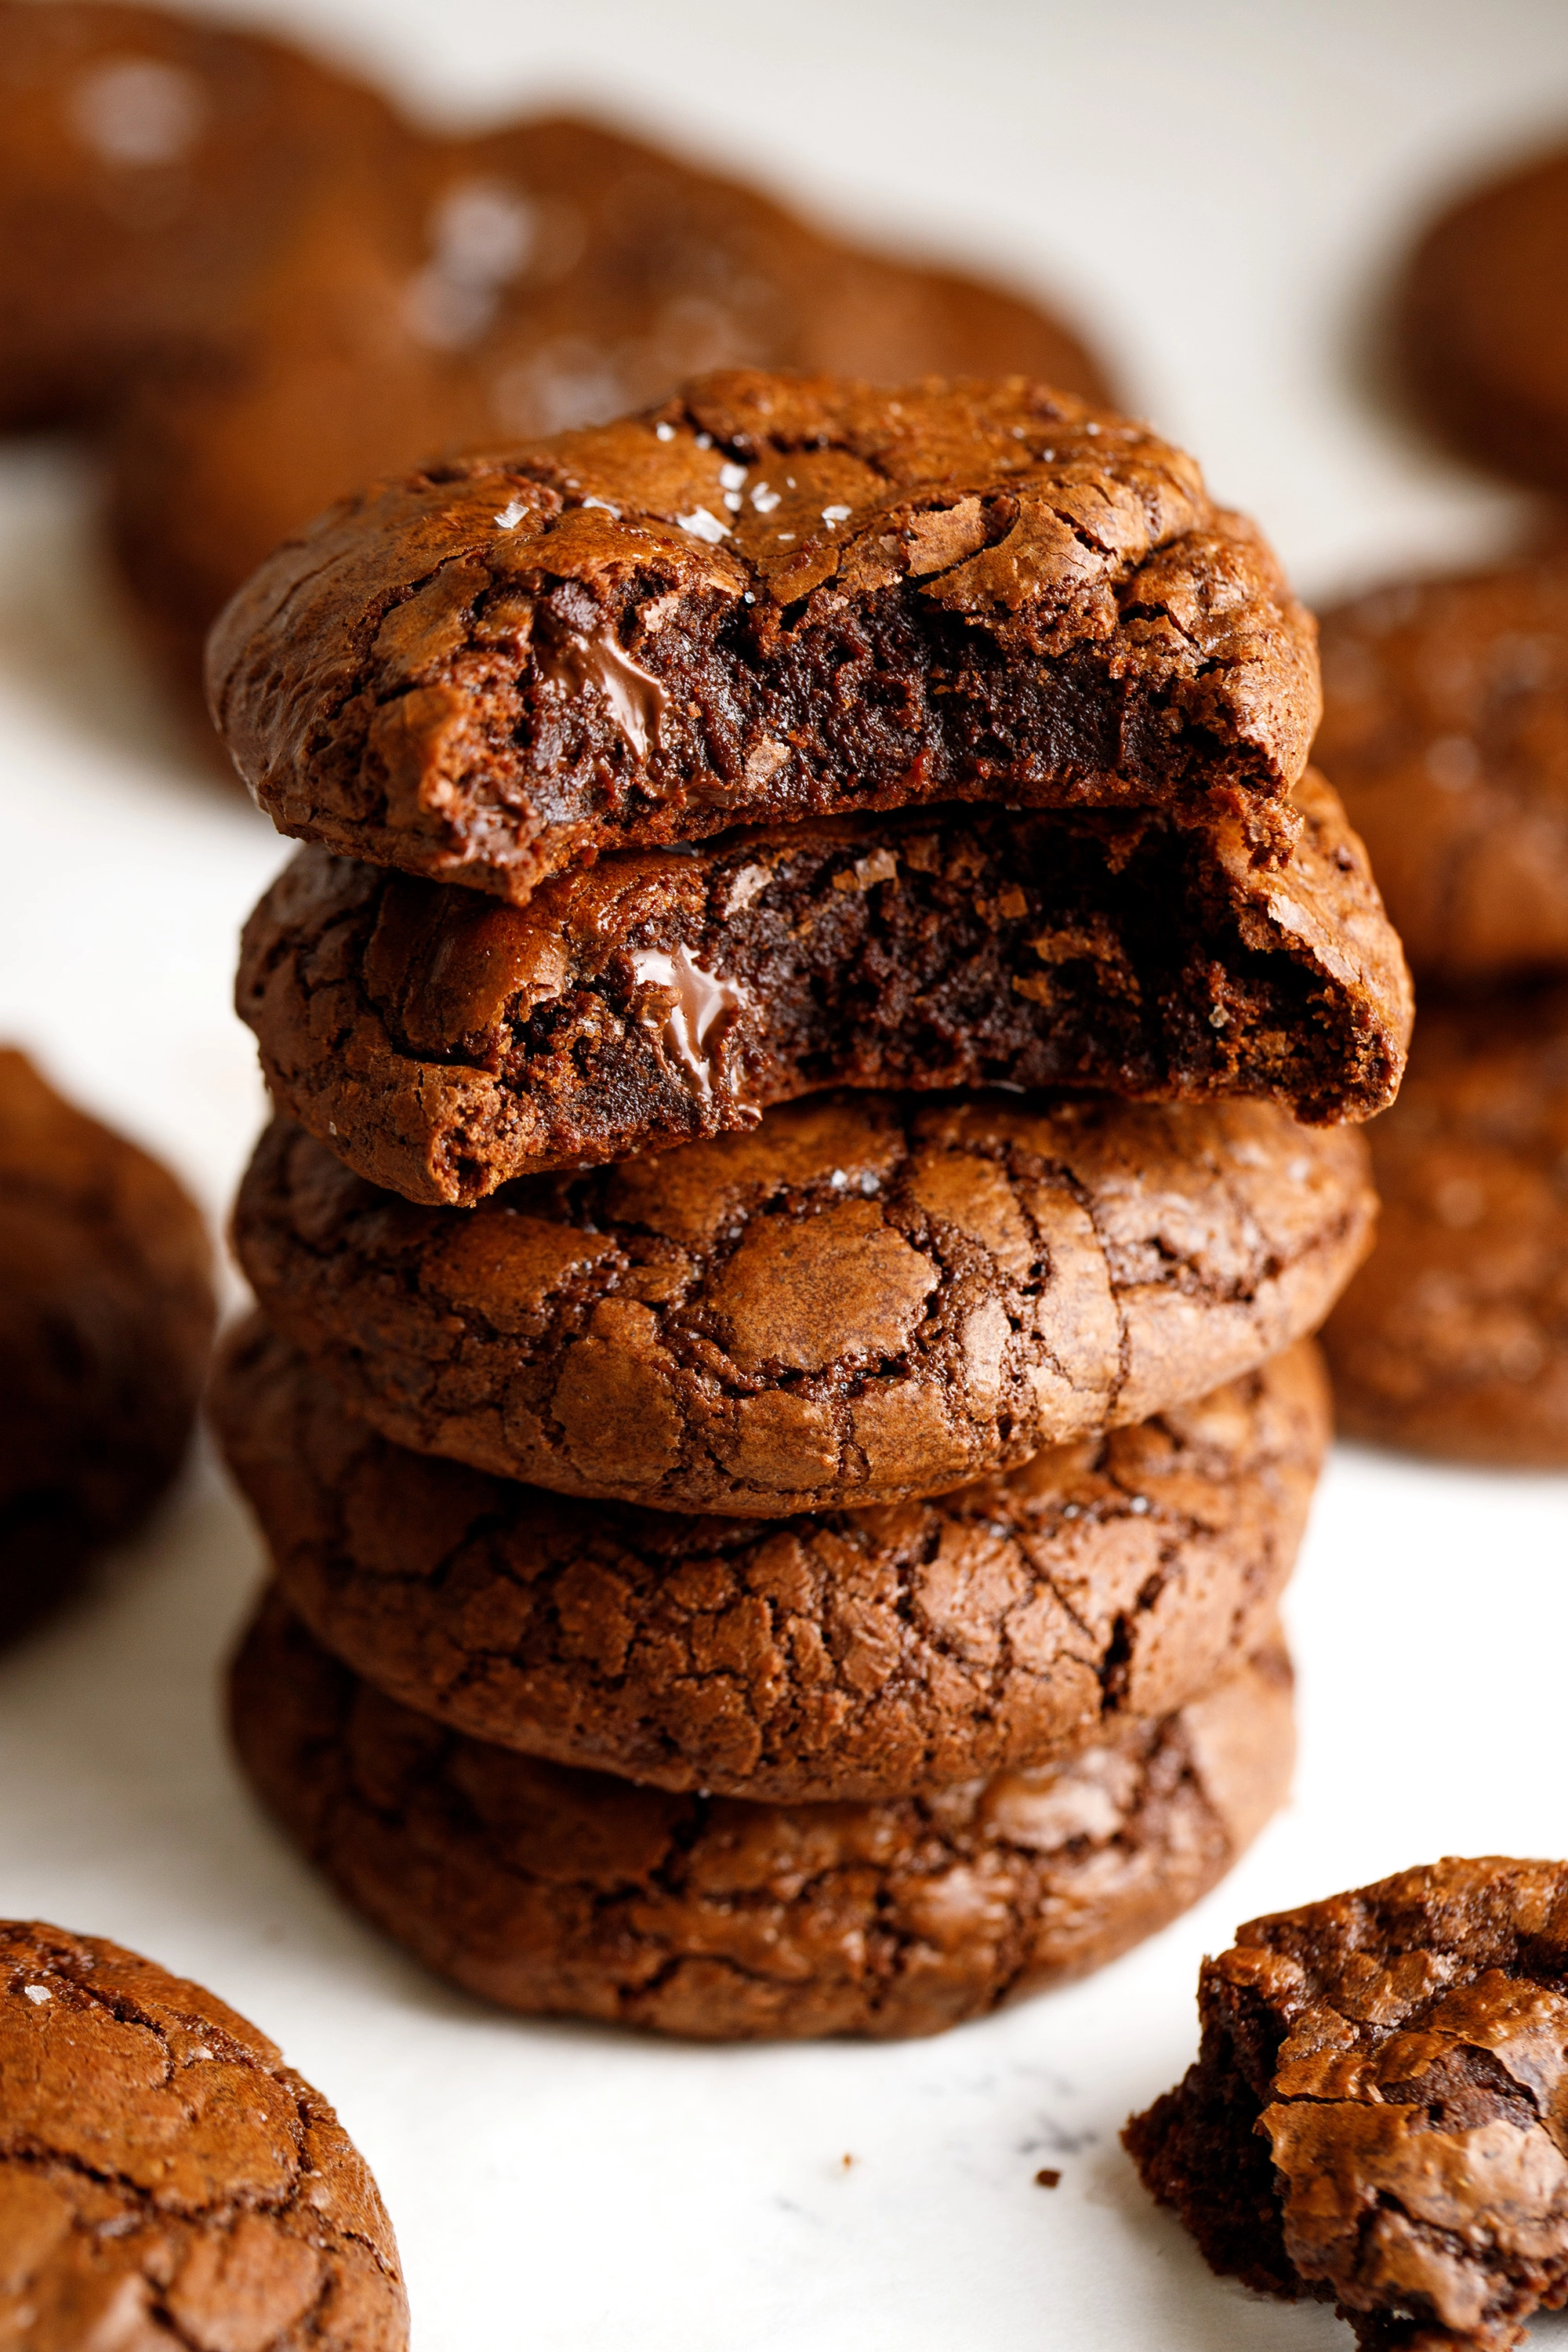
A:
(443, 1044)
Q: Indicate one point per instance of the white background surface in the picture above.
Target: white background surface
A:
(1220, 190)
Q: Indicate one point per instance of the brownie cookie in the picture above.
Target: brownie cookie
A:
(573, 1894)
(1445, 728)
(550, 274)
(1453, 1339)
(148, 163)
(1375, 2114)
(164, 2178)
(861, 1653)
(866, 1298)
(774, 598)
(446, 1045)
(1482, 335)
(106, 1316)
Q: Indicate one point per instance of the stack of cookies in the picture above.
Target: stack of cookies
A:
(816, 1041)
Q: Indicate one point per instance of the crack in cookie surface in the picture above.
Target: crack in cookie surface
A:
(859, 1654)
(864, 1298)
(981, 591)
(566, 1891)
(1379, 2111)
(163, 2172)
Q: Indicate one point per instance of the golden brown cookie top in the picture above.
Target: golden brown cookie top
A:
(774, 596)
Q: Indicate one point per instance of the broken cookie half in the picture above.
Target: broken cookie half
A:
(776, 597)
(1378, 2114)
(443, 1043)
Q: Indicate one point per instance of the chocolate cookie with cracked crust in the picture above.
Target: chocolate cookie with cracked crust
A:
(164, 2178)
(1375, 2114)
(106, 1316)
(550, 274)
(444, 1045)
(775, 597)
(857, 1654)
(1445, 728)
(572, 1893)
(1486, 356)
(866, 1298)
(149, 162)
(1453, 1338)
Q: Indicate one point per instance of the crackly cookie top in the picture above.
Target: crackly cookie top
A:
(773, 596)
(864, 1297)
(549, 1889)
(164, 2175)
(847, 1655)
(1416, 2101)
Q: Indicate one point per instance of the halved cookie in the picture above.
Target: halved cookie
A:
(444, 1045)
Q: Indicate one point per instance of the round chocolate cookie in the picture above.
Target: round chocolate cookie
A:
(164, 2178)
(1374, 2117)
(148, 163)
(106, 1317)
(1453, 1339)
(569, 1892)
(1483, 335)
(776, 597)
(548, 275)
(856, 1654)
(445, 1044)
(1445, 728)
(866, 1298)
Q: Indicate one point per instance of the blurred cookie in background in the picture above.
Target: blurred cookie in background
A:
(552, 274)
(1453, 1338)
(1482, 327)
(106, 1317)
(1445, 728)
(1445, 733)
(148, 162)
